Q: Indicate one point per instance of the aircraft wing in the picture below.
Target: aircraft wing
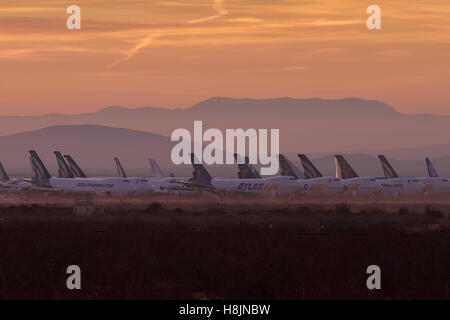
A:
(38, 183)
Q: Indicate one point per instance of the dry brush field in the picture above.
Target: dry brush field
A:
(221, 249)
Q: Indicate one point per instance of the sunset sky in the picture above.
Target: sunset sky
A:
(137, 53)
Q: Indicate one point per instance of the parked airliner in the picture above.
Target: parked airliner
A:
(163, 184)
(397, 186)
(96, 186)
(435, 185)
(312, 181)
(272, 186)
(355, 185)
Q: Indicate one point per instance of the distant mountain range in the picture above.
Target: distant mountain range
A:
(315, 126)
(95, 146)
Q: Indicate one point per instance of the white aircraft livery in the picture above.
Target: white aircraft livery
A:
(435, 185)
(397, 186)
(312, 181)
(272, 186)
(97, 186)
(8, 185)
(355, 185)
(143, 185)
(162, 184)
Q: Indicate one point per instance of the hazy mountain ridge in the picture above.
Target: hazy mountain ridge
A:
(95, 146)
(92, 146)
(319, 124)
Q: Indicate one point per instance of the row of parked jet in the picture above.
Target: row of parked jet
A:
(291, 181)
(72, 179)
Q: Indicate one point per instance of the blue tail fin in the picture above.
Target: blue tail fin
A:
(310, 170)
(431, 170)
(246, 170)
(3, 175)
(76, 170)
(389, 172)
(347, 171)
(120, 170)
(199, 175)
(287, 168)
(39, 168)
(63, 169)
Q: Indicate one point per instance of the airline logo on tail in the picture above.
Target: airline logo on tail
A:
(286, 169)
(347, 171)
(199, 175)
(431, 170)
(389, 172)
(76, 170)
(246, 170)
(63, 169)
(3, 175)
(120, 169)
(39, 169)
(310, 170)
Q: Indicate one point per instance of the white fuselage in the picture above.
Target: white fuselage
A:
(323, 186)
(274, 186)
(436, 186)
(402, 187)
(171, 185)
(13, 186)
(142, 185)
(361, 187)
(98, 186)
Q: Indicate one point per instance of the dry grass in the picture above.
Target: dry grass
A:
(219, 249)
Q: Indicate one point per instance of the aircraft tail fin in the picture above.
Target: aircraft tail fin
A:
(389, 172)
(76, 170)
(200, 175)
(431, 170)
(310, 170)
(3, 175)
(290, 169)
(156, 171)
(120, 169)
(246, 170)
(63, 169)
(38, 167)
(347, 171)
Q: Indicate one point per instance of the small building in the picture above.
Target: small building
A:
(87, 208)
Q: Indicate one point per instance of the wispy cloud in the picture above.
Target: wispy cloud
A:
(219, 7)
(246, 19)
(130, 53)
(20, 53)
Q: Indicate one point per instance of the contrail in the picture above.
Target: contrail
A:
(220, 11)
(218, 6)
(130, 53)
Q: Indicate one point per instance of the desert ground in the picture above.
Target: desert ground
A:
(170, 247)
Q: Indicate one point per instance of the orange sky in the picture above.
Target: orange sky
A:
(174, 53)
